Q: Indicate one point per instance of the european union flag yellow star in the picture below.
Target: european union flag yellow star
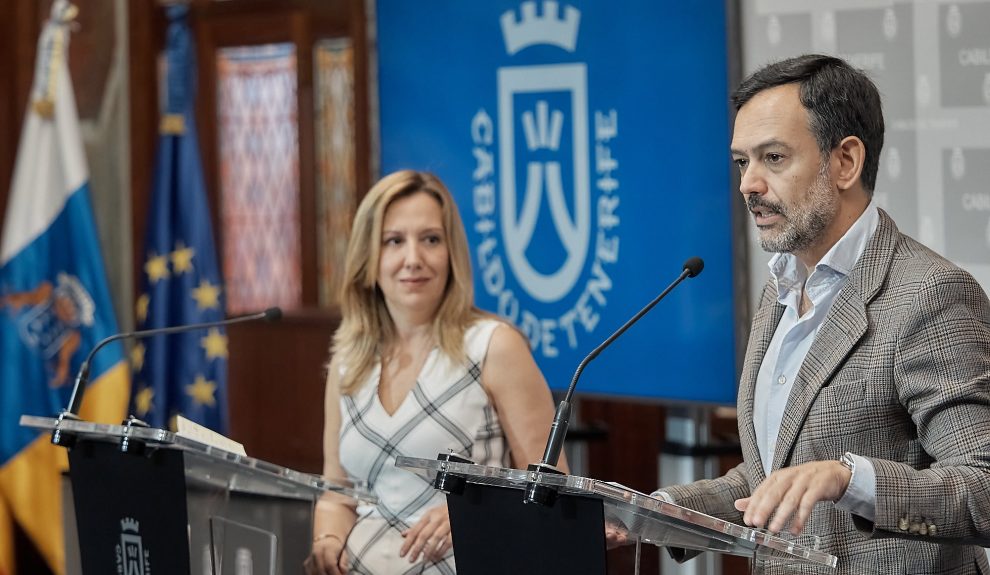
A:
(202, 391)
(137, 356)
(156, 268)
(188, 374)
(182, 258)
(207, 295)
(215, 344)
(141, 307)
(143, 401)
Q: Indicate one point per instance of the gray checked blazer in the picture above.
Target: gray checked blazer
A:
(899, 373)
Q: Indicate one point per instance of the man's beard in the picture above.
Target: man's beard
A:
(802, 224)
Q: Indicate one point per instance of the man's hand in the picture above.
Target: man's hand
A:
(789, 495)
(615, 536)
(429, 537)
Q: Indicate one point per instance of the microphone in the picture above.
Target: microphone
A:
(82, 377)
(558, 429)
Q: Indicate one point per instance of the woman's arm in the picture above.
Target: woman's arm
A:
(521, 396)
(335, 514)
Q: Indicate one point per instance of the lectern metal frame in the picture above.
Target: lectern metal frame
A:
(150, 500)
(643, 518)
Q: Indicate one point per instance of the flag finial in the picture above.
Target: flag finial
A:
(51, 55)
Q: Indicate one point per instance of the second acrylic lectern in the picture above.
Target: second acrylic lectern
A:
(150, 501)
(493, 531)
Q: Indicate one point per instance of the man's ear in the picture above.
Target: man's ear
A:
(848, 159)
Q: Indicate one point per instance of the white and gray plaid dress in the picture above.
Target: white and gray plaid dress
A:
(446, 409)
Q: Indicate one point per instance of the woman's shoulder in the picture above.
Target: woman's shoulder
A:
(480, 333)
(491, 333)
(487, 325)
(484, 322)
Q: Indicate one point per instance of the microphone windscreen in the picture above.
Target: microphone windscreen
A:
(273, 314)
(694, 266)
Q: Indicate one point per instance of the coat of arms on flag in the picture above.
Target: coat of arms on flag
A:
(54, 301)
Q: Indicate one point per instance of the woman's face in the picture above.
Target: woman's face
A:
(414, 263)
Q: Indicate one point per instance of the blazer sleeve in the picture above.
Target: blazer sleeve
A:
(942, 373)
(714, 497)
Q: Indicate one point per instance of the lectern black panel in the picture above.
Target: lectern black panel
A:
(494, 532)
(130, 509)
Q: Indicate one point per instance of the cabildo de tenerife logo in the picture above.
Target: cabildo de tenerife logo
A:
(132, 557)
(546, 189)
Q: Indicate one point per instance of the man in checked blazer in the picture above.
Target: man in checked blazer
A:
(864, 401)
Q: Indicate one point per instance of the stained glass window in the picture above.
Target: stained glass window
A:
(259, 176)
(335, 180)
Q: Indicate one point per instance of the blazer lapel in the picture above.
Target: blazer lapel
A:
(845, 324)
(835, 339)
(764, 325)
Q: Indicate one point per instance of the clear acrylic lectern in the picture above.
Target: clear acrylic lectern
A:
(149, 501)
(495, 532)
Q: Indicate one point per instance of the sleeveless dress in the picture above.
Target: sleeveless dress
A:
(447, 408)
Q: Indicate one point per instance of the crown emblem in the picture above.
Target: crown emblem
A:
(543, 131)
(129, 524)
(548, 28)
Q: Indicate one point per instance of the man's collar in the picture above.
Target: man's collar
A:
(788, 271)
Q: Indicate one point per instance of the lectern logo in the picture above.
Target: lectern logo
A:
(132, 557)
(549, 206)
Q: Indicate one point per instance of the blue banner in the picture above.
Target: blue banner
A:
(587, 146)
(186, 373)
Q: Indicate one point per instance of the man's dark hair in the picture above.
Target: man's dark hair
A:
(841, 101)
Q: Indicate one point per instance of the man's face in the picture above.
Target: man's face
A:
(784, 179)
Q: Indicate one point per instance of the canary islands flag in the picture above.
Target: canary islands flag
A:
(181, 374)
(54, 302)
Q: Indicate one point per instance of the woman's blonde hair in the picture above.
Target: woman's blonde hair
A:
(366, 327)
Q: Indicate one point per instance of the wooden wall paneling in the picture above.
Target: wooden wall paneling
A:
(8, 120)
(276, 400)
(362, 98)
(217, 27)
(302, 37)
(249, 28)
(276, 371)
(635, 433)
(206, 118)
(21, 24)
(29, 17)
(629, 457)
(145, 41)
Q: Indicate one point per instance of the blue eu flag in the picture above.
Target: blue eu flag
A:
(181, 374)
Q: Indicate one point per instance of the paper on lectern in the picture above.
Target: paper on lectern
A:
(196, 432)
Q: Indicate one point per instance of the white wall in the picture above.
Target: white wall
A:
(931, 61)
